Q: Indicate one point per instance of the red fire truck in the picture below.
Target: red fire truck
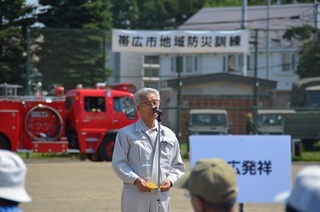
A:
(84, 120)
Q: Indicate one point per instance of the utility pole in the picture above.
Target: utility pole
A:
(28, 63)
(268, 39)
(244, 59)
(179, 66)
(244, 27)
(316, 14)
(256, 83)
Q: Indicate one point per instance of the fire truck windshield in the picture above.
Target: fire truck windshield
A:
(125, 105)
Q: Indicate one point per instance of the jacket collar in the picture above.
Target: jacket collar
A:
(141, 127)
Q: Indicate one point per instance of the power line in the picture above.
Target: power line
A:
(302, 15)
(256, 8)
(231, 22)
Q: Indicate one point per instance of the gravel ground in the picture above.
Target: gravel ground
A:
(67, 184)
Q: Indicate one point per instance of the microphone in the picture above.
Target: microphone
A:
(156, 110)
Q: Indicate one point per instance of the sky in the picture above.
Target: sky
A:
(32, 1)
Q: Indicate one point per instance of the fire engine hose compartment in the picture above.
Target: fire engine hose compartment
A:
(43, 123)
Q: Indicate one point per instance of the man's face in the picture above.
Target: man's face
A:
(146, 105)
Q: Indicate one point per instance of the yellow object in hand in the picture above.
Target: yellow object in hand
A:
(151, 185)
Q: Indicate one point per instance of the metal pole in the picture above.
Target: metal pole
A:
(317, 14)
(256, 83)
(159, 157)
(244, 14)
(244, 26)
(244, 60)
(28, 63)
(268, 39)
(179, 69)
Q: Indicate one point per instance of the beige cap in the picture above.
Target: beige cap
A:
(214, 180)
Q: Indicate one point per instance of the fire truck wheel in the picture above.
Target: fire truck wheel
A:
(4, 143)
(106, 148)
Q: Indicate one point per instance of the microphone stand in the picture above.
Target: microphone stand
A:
(159, 154)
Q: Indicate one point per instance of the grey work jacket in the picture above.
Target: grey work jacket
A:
(136, 155)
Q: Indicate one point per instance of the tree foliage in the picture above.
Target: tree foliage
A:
(75, 14)
(70, 56)
(71, 47)
(153, 14)
(15, 18)
(168, 14)
(309, 64)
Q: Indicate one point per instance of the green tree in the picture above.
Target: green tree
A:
(15, 18)
(124, 13)
(168, 14)
(153, 14)
(309, 63)
(71, 47)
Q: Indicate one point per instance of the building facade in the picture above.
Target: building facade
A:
(188, 80)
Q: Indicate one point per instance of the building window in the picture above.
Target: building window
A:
(232, 63)
(286, 62)
(151, 59)
(173, 64)
(195, 63)
(294, 61)
(189, 63)
(249, 64)
(151, 67)
(151, 72)
(224, 62)
(240, 61)
(151, 84)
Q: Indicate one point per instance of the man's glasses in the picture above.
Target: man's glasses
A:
(151, 103)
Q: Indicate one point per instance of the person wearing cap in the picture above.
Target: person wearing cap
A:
(12, 182)
(212, 185)
(136, 158)
(305, 194)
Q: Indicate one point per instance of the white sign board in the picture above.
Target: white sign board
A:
(180, 41)
(262, 163)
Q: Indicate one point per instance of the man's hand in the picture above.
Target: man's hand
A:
(141, 184)
(165, 185)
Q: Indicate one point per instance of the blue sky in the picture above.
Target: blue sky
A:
(32, 1)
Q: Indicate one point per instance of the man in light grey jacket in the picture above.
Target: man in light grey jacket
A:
(136, 158)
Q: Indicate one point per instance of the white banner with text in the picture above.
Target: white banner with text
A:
(262, 162)
(180, 41)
